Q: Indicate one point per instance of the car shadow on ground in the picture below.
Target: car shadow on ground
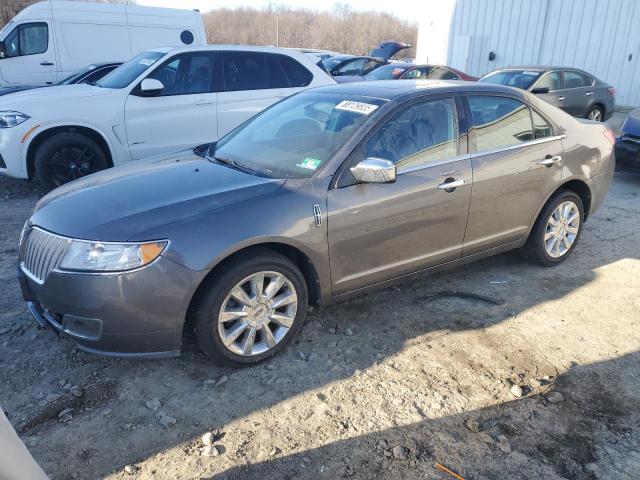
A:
(368, 331)
(496, 442)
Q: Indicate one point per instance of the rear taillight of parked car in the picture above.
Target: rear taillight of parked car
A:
(612, 91)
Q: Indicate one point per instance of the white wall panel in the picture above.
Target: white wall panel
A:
(595, 35)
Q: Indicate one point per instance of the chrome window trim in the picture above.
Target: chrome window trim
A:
(537, 141)
(422, 166)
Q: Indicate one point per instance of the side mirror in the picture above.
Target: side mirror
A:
(3, 50)
(539, 90)
(150, 87)
(374, 170)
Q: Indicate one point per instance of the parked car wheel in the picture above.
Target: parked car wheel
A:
(67, 156)
(251, 309)
(596, 112)
(557, 229)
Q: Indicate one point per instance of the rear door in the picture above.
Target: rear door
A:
(30, 55)
(517, 162)
(381, 231)
(182, 116)
(577, 92)
(251, 81)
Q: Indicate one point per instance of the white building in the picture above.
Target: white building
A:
(477, 36)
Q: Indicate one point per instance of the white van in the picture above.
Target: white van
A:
(49, 40)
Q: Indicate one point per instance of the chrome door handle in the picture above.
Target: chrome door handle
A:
(560, 98)
(549, 160)
(588, 94)
(446, 186)
(46, 64)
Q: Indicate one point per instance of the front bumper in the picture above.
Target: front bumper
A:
(132, 314)
(11, 149)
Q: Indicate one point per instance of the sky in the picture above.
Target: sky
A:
(404, 9)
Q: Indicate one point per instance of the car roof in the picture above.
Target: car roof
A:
(406, 89)
(540, 68)
(207, 48)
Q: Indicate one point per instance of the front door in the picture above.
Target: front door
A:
(517, 164)
(381, 231)
(183, 115)
(30, 57)
(553, 82)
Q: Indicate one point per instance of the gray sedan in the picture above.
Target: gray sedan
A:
(323, 196)
(575, 91)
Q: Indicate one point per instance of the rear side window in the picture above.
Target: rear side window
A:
(286, 72)
(441, 73)
(576, 80)
(541, 128)
(500, 122)
(27, 39)
(244, 71)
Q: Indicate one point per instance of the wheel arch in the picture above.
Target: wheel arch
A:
(43, 135)
(597, 104)
(296, 255)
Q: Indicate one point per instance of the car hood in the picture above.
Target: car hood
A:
(56, 92)
(632, 123)
(15, 88)
(123, 203)
(386, 50)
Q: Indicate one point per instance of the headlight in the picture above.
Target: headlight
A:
(85, 256)
(10, 118)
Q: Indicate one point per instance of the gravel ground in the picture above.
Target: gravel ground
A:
(544, 385)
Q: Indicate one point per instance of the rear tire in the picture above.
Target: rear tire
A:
(596, 112)
(216, 302)
(557, 229)
(67, 156)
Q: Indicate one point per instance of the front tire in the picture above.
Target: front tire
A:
(67, 156)
(251, 308)
(557, 229)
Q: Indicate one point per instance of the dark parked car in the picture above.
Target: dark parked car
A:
(411, 71)
(342, 64)
(576, 92)
(322, 196)
(628, 143)
(89, 74)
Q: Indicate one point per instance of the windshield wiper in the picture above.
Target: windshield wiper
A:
(236, 165)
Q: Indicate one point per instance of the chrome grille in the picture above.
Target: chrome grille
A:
(41, 252)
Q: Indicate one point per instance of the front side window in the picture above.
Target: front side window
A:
(549, 80)
(500, 122)
(27, 39)
(419, 134)
(576, 80)
(186, 74)
(130, 70)
(297, 136)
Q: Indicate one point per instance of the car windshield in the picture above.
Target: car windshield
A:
(512, 78)
(386, 72)
(130, 70)
(296, 136)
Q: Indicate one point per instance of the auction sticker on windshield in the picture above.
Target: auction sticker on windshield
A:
(356, 107)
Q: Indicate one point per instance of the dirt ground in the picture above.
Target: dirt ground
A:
(382, 387)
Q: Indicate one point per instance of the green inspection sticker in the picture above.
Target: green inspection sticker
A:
(309, 163)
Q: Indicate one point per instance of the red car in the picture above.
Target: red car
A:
(405, 70)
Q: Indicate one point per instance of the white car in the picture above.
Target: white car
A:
(162, 100)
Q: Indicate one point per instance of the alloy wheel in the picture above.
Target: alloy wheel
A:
(562, 229)
(70, 163)
(257, 313)
(595, 114)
